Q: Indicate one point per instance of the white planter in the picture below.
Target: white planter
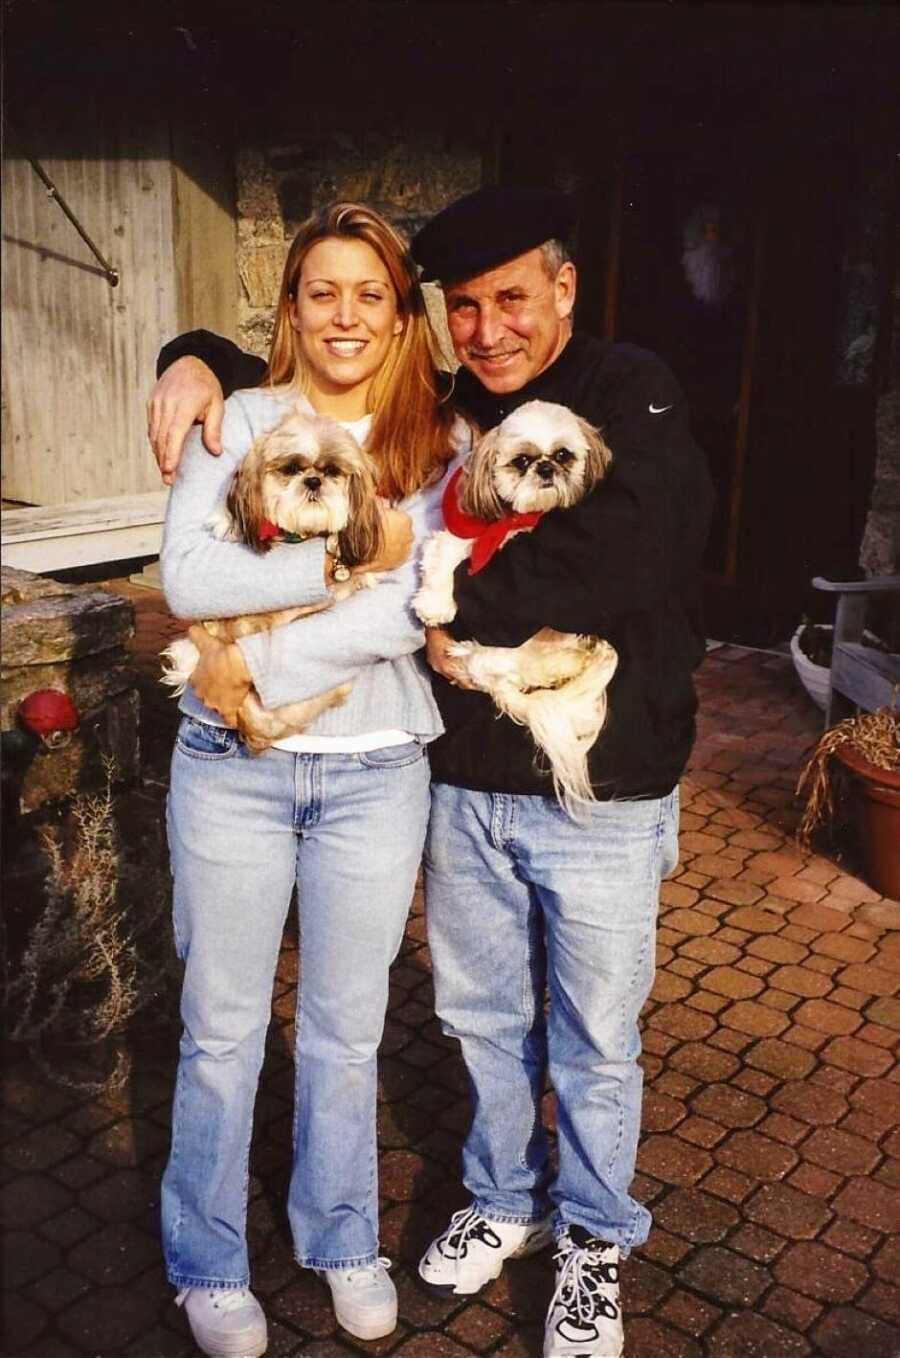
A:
(815, 679)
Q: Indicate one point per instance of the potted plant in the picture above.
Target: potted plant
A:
(857, 764)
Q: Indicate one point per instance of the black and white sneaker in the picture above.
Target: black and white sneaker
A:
(472, 1250)
(585, 1316)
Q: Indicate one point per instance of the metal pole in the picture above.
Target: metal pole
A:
(111, 274)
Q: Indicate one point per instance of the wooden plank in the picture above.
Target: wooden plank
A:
(876, 584)
(58, 537)
(866, 676)
(204, 224)
(90, 516)
(79, 356)
(85, 549)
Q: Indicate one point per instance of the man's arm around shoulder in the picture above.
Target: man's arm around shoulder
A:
(232, 367)
(195, 373)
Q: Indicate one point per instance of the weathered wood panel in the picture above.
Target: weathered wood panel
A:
(205, 228)
(79, 355)
(57, 537)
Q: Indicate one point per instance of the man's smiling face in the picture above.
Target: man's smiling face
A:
(510, 323)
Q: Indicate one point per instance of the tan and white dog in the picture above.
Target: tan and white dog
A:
(541, 457)
(308, 477)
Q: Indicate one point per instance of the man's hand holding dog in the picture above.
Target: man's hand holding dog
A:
(187, 392)
(451, 667)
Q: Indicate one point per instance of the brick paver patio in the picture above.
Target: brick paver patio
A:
(770, 1152)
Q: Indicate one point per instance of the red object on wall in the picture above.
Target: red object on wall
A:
(48, 710)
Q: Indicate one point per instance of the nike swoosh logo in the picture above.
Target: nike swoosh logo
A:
(658, 410)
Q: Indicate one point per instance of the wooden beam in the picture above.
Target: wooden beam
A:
(205, 233)
(57, 537)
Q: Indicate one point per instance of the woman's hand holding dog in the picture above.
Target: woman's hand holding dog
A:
(221, 678)
(188, 391)
(398, 541)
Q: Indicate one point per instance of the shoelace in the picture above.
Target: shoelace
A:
(368, 1275)
(578, 1290)
(224, 1299)
(467, 1224)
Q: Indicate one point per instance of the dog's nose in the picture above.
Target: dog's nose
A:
(545, 471)
(313, 482)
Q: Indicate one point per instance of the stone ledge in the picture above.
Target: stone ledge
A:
(48, 630)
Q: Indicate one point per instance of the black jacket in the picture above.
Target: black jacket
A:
(624, 565)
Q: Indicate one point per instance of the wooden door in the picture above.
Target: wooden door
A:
(79, 354)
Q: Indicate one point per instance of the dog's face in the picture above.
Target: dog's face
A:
(305, 469)
(307, 476)
(541, 457)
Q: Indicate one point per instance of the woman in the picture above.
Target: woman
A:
(340, 811)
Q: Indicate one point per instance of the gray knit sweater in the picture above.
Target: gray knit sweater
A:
(371, 639)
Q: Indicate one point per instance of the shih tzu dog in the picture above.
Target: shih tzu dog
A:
(308, 477)
(541, 457)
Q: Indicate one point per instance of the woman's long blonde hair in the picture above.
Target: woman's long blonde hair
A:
(410, 433)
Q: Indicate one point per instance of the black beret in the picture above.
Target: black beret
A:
(487, 228)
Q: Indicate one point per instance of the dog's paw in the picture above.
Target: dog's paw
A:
(221, 525)
(434, 608)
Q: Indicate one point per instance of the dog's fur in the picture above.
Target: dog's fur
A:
(541, 457)
(308, 477)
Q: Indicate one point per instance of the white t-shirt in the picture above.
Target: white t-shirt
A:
(365, 740)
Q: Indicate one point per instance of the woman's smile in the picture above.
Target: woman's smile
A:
(346, 348)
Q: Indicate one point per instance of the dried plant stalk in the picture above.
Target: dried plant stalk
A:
(96, 954)
(876, 736)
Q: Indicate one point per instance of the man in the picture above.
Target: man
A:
(520, 899)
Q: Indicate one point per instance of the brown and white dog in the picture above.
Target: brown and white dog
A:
(541, 457)
(308, 477)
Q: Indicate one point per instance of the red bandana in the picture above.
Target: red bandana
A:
(489, 537)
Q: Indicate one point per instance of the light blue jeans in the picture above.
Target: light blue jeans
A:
(348, 829)
(520, 900)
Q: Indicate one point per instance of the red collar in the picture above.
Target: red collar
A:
(270, 532)
(489, 536)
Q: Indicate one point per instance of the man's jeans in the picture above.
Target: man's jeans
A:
(518, 897)
(349, 829)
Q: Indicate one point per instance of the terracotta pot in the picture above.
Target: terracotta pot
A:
(878, 818)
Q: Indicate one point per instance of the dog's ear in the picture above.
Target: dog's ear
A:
(245, 499)
(599, 455)
(478, 489)
(363, 537)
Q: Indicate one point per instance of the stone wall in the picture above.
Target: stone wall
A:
(71, 639)
(408, 176)
(880, 551)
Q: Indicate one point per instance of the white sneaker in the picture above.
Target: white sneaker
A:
(226, 1322)
(365, 1298)
(473, 1249)
(585, 1315)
